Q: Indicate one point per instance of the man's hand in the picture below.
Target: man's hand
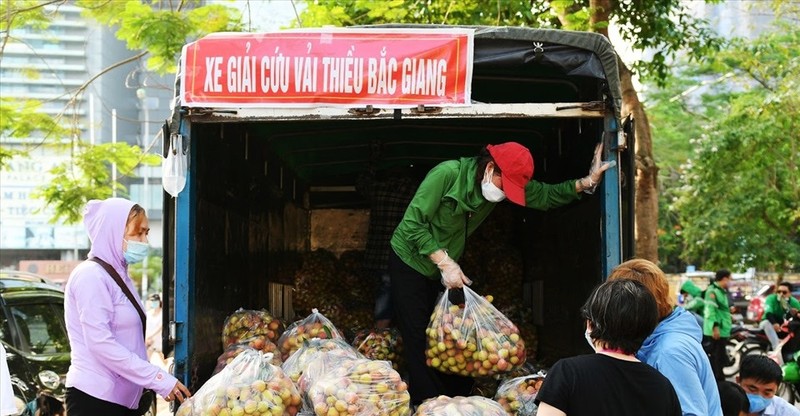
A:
(777, 327)
(715, 334)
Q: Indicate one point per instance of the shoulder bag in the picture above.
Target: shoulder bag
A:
(148, 395)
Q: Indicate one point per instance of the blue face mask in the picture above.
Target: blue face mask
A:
(136, 252)
(757, 402)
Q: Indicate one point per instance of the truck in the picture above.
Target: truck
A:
(271, 169)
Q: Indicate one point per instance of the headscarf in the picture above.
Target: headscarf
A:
(105, 223)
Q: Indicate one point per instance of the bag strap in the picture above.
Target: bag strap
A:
(114, 275)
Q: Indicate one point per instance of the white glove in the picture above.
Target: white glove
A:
(589, 183)
(452, 276)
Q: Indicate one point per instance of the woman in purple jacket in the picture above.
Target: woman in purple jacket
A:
(109, 365)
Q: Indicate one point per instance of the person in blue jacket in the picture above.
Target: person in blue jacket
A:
(674, 348)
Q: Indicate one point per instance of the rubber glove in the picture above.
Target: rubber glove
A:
(452, 276)
(596, 170)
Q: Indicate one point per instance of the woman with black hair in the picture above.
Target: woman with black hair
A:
(619, 315)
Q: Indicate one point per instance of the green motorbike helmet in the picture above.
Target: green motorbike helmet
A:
(791, 372)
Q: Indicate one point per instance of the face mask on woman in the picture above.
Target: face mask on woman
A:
(589, 339)
(489, 190)
(136, 251)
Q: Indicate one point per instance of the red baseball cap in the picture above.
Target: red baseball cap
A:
(516, 166)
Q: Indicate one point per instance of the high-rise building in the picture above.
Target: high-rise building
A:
(53, 65)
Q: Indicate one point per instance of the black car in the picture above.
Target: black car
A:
(34, 334)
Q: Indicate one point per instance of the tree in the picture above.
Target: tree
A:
(664, 26)
(740, 203)
(156, 30)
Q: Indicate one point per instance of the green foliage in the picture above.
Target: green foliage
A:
(88, 176)
(665, 26)
(466, 12)
(740, 200)
(18, 13)
(160, 30)
(20, 119)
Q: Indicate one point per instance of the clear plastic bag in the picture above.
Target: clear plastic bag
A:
(245, 323)
(296, 364)
(380, 344)
(258, 343)
(318, 367)
(174, 166)
(460, 406)
(472, 339)
(248, 385)
(360, 387)
(313, 326)
(517, 395)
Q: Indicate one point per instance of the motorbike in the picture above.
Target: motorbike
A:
(744, 341)
(786, 355)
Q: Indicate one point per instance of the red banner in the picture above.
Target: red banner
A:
(329, 67)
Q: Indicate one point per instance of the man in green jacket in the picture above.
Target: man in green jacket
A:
(449, 205)
(778, 306)
(696, 304)
(717, 322)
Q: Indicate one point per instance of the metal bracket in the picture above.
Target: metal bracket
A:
(590, 106)
(421, 109)
(366, 111)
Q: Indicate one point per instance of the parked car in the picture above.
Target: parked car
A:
(755, 310)
(34, 334)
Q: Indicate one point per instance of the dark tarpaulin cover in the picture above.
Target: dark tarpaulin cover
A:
(570, 52)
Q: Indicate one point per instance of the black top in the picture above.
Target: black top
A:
(597, 384)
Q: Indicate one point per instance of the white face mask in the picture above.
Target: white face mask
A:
(589, 340)
(489, 190)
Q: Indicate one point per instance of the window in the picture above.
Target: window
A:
(41, 327)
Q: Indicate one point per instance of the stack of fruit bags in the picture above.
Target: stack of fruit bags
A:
(460, 406)
(258, 343)
(472, 339)
(297, 363)
(248, 385)
(315, 325)
(380, 344)
(244, 323)
(517, 395)
(360, 387)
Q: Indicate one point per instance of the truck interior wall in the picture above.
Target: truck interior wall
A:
(254, 203)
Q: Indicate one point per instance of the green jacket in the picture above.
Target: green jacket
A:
(775, 312)
(697, 303)
(717, 311)
(449, 206)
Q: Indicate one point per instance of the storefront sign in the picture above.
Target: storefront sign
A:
(329, 67)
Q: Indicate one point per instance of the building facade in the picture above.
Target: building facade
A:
(125, 104)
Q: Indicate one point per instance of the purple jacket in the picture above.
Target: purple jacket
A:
(109, 358)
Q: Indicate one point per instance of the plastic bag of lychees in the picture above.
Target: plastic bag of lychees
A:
(360, 387)
(244, 323)
(460, 406)
(312, 326)
(296, 364)
(517, 395)
(248, 385)
(472, 338)
(258, 343)
(318, 367)
(380, 344)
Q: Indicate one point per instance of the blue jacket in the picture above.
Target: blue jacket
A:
(674, 350)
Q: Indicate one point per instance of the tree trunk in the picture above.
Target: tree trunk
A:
(646, 170)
